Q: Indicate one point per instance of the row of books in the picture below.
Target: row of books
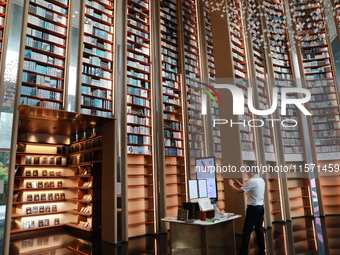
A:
(44, 160)
(35, 172)
(90, 144)
(37, 102)
(101, 6)
(172, 134)
(100, 16)
(44, 197)
(91, 30)
(96, 102)
(139, 139)
(137, 83)
(96, 112)
(42, 69)
(41, 223)
(97, 42)
(169, 151)
(138, 101)
(96, 81)
(196, 145)
(47, 14)
(45, 36)
(46, 25)
(96, 61)
(139, 149)
(139, 130)
(43, 58)
(41, 184)
(86, 134)
(42, 80)
(85, 90)
(43, 93)
(86, 157)
(41, 209)
(94, 51)
(138, 120)
(48, 47)
(327, 141)
(52, 6)
(96, 71)
(172, 143)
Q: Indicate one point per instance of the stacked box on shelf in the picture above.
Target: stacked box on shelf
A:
(97, 67)
(193, 74)
(140, 170)
(172, 109)
(44, 56)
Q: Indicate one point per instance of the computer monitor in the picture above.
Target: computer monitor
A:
(206, 169)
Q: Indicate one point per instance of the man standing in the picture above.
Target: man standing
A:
(254, 188)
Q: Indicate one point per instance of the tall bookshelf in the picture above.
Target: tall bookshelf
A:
(283, 77)
(44, 55)
(140, 171)
(175, 179)
(97, 63)
(317, 65)
(193, 76)
(216, 132)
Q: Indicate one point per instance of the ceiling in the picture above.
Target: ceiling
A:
(55, 122)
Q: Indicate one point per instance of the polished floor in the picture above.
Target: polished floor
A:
(302, 236)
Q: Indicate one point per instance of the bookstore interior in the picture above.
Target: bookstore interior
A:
(122, 119)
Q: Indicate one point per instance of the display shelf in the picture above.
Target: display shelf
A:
(45, 52)
(64, 192)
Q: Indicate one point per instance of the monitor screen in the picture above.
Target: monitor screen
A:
(205, 169)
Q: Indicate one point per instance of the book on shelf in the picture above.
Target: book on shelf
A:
(36, 197)
(44, 172)
(29, 197)
(47, 208)
(54, 208)
(35, 172)
(35, 209)
(28, 210)
(40, 224)
(28, 172)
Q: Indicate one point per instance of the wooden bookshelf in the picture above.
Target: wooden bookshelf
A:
(193, 76)
(172, 108)
(320, 78)
(139, 171)
(68, 191)
(44, 58)
(299, 197)
(97, 64)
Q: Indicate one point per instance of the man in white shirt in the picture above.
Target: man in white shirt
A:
(254, 188)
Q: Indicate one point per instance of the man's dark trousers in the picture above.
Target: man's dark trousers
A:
(254, 218)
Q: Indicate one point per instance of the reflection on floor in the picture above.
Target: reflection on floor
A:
(307, 236)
